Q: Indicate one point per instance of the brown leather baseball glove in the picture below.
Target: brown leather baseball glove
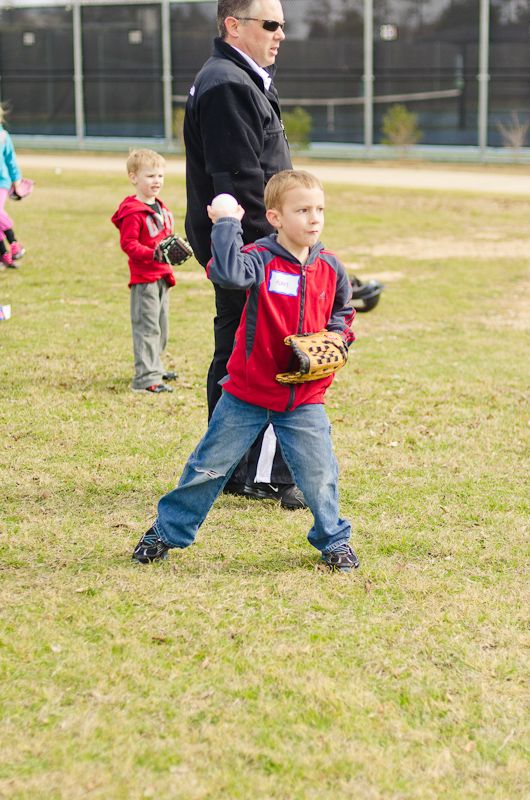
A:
(318, 354)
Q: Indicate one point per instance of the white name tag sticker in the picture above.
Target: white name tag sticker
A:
(282, 283)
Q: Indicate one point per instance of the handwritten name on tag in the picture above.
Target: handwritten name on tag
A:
(282, 283)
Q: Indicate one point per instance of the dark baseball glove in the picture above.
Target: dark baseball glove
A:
(318, 354)
(173, 250)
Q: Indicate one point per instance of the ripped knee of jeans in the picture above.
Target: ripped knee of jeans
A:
(210, 473)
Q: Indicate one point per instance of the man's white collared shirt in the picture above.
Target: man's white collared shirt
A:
(264, 75)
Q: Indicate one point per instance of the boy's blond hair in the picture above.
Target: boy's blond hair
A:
(3, 113)
(138, 159)
(282, 182)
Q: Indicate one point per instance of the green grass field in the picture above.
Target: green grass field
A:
(237, 669)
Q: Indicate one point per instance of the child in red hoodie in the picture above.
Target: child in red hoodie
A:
(143, 220)
(294, 285)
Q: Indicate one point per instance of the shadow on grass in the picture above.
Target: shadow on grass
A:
(276, 562)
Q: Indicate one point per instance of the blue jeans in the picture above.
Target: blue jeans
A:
(304, 437)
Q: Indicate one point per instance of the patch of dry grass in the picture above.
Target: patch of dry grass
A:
(237, 669)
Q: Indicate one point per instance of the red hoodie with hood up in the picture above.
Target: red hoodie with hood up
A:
(141, 229)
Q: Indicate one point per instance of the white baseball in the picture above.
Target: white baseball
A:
(224, 204)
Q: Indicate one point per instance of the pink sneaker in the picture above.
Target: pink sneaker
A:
(17, 251)
(7, 261)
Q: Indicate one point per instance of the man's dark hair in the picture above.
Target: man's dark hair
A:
(231, 8)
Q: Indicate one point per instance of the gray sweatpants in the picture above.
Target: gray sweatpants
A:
(149, 320)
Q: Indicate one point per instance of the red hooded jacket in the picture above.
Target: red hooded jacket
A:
(283, 297)
(141, 229)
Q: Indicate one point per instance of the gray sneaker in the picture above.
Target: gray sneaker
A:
(156, 388)
(343, 559)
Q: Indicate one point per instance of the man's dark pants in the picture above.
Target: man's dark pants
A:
(229, 304)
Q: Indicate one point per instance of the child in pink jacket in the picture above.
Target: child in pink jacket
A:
(10, 250)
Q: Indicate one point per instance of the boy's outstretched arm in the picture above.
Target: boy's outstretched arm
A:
(230, 267)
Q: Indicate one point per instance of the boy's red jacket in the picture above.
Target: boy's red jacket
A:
(283, 297)
(141, 229)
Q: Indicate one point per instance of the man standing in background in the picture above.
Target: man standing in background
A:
(235, 142)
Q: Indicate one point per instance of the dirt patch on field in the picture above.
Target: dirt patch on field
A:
(488, 180)
(514, 310)
(485, 246)
(385, 276)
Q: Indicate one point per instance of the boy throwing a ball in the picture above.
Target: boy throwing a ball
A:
(294, 286)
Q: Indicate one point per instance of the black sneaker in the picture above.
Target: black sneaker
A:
(343, 559)
(293, 498)
(170, 376)
(156, 388)
(234, 487)
(150, 548)
(288, 495)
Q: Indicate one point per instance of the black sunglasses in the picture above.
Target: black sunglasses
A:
(268, 24)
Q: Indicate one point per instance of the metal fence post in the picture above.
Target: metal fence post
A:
(368, 77)
(167, 78)
(79, 100)
(483, 76)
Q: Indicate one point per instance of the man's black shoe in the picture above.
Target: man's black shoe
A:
(288, 495)
(234, 487)
(150, 548)
(343, 559)
(293, 498)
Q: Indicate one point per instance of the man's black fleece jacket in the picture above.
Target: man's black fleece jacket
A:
(234, 142)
